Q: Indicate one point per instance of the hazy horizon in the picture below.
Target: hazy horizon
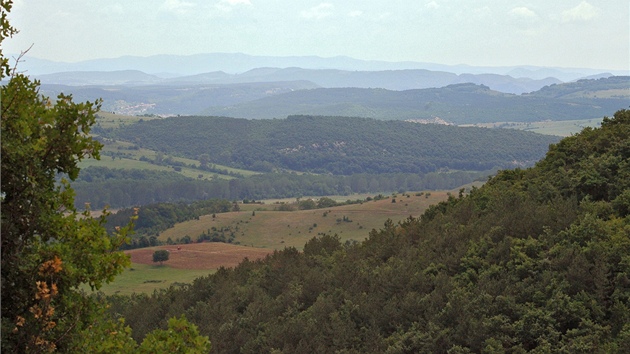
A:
(488, 33)
(13, 56)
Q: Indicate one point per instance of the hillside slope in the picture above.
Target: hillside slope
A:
(536, 260)
(459, 104)
(183, 98)
(337, 145)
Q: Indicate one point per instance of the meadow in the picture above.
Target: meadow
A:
(559, 128)
(260, 229)
(146, 278)
(126, 155)
(185, 264)
(264, 226)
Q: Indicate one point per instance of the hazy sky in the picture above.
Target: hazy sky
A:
(567, 33)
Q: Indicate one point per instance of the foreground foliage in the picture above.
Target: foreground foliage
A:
(537, 260)
(49, 250)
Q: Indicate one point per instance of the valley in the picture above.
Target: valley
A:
(239, 176)
(259, 229)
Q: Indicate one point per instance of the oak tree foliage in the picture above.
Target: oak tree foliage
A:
(161, 256)
(50, 251)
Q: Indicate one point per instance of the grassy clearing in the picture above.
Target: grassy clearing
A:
(143, 278)
(115, 121)
(185, 264)
(127, 155)
(559, 128)
(261, 226)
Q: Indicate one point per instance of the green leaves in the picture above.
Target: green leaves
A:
(40, 141)
(160, 256)
(180, 337)
(6, 31)
(536, 260)
(115, 337)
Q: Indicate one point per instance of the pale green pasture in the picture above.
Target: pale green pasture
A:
(111, 120)
(261, 226)
(143, 278)
(558, 128)
(130, 160)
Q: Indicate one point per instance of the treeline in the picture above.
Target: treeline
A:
(123, 188)
(154, 218)
(160, 160)
(536, 260)
(337, 145)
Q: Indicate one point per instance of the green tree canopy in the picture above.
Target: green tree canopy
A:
(535, 261)
(49, 250)
(161, 256)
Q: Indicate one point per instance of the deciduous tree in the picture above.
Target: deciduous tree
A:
(49, 249)
(160, 256)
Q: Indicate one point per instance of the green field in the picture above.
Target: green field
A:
(142, 278)
(275, 230)
(558, 128)
(124, 155)
(111, 120)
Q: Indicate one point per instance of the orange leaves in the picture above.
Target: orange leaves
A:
(19, 322)
(44, 292)
(51, 267)
(43, 311)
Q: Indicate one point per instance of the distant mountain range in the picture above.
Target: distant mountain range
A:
(329, 78)
(248, 86)
(165, 66)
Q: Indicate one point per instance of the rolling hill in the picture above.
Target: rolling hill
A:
(388, 79)
(337, 145)
(534, 261)
(458, 104)
(183, 98)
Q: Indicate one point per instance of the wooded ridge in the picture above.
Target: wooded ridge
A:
(458, 104)
(337, 145)
(536, 260)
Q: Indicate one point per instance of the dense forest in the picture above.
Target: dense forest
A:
(336, 145)
(157, 217)
(536, 260)
(464, 103)
(101, 186)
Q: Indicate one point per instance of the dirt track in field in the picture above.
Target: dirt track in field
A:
(207, 255)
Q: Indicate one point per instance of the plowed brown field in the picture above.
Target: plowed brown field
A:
(208, 255)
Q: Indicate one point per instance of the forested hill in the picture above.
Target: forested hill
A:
(337, 145)
(459, 104)
(536, 260)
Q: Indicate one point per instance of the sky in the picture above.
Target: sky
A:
(552, 33)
